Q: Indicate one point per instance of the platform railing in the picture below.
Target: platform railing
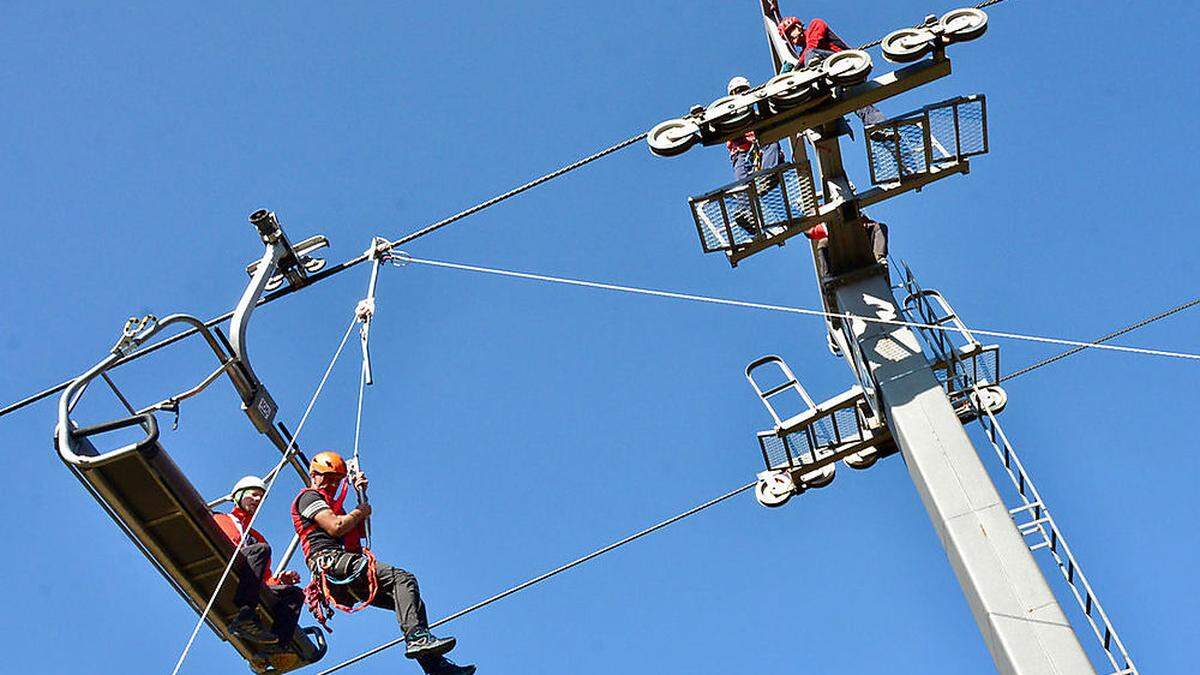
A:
(761, 207)
(961, 363)
(936, 136)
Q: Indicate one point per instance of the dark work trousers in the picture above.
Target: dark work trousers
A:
(398, 590)
(285, 611)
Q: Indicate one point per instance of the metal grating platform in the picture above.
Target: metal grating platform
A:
(936, 136)
(765, 206)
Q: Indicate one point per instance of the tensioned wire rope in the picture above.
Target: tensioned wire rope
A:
(402, 258)
(552, 573)
(1077, 345)
(272, 476)
(336, 269)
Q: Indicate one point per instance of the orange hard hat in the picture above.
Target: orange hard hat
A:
(327, 462)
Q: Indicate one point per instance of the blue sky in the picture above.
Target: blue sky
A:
(514, 425)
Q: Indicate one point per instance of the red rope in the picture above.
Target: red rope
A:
(321, 602)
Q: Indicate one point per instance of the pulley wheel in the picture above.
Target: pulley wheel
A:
(725, 115)
(790, 90)
(819, 478)
(991, 398)
(908, 44)
(847, 67)
(962, 25)
(673, 137)
(774, 490)
(862, 460)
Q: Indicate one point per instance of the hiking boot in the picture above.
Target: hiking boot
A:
(247, 626)
(422, 643)
(443, 666)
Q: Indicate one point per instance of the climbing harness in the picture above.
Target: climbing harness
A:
(318, 596)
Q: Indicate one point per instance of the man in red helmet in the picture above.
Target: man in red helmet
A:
(815, 42)
(345, 573)
(254, 571)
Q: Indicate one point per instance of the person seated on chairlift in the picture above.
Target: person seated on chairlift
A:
(254, 572)
(816, 42)
(344, 572)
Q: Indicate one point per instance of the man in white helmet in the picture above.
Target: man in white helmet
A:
(745, 153)
(747, 156)
(254, 571)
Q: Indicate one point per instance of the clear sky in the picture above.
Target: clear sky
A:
(515, 425)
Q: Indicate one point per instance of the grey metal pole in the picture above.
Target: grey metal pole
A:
(1022, 623)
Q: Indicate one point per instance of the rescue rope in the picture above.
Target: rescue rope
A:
(321, 601)
(287, 454)
(552, 573)
(1078, 344)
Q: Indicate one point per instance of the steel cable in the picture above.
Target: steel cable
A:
(1077, 344)
(329, 272)
(1115, 334)
(554, 572)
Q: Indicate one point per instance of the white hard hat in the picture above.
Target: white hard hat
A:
(247, 483)
(736, 83)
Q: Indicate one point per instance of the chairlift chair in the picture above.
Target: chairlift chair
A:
(152, 500)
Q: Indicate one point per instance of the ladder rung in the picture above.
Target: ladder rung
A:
(1031, 505)
(1032, 526)
(786, 385)
(1035, 547)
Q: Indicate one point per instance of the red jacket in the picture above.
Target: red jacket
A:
(232, 525)
(818, 35)
(742, 143)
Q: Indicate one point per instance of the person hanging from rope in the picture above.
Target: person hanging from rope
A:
(254, 572)
(814, 43)
(344, 572)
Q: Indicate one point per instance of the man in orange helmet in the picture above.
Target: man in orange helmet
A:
(344, 572)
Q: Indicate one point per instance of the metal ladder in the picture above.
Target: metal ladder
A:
(1034, 521)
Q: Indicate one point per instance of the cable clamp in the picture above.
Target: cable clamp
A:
(135, 332)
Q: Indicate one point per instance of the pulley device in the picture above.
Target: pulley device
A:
(150, 497)
(379, 253)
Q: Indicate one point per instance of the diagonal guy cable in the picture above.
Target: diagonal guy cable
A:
(554, 572)
(1079, 344)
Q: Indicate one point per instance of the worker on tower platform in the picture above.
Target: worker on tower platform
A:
(254, 571)
(344, 572)
(815, 42)
(745, 153)
(747, 157)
